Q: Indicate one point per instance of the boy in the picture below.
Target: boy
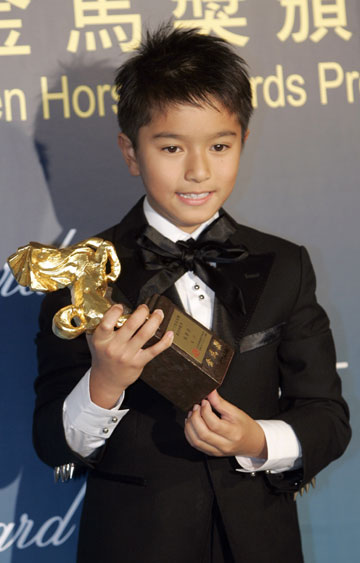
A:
(219, 487)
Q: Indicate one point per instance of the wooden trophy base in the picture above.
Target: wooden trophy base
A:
(194, 365)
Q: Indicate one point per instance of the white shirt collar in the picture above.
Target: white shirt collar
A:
(168, 229)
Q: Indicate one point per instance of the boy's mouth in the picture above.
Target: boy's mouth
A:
(194, 196)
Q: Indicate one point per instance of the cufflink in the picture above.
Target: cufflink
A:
(64, 472)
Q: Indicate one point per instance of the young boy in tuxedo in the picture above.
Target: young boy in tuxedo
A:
(215, 485)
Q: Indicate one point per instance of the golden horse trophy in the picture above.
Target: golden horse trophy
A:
(196, 362)
(86, 268)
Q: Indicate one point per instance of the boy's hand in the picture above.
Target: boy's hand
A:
(117, 356)
(234, 433)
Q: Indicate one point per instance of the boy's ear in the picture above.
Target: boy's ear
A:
(247, 133)
(129, 154)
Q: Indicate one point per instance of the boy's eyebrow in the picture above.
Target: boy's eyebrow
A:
(166, 135)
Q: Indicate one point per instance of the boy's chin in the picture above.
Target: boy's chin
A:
(191, 225)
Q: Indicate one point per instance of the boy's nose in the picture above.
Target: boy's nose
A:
(197, 168)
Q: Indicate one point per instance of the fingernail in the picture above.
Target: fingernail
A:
(196, 408)
(159, 312)
(189, 415)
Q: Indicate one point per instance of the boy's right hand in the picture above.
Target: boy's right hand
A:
(118, 357)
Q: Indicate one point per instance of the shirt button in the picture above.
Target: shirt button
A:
(196, 286)
(114, 419)
(105, 430)
(201, 296)
(253, 474)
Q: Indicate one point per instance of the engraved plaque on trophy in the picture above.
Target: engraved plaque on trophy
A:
(194, 365)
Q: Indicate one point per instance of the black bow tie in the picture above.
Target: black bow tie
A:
(171, 260)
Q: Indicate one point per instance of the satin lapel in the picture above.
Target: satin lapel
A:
(132, 279)
(172, 294)
(133, 275)
(250, 275)
(129, 287)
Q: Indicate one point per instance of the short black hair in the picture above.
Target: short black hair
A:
(180, 66)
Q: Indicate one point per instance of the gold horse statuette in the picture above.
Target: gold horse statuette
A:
(86, 268)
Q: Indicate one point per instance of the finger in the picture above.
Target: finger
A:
(224, 408)
(203, 432)
(148, 329)
(136, 341)
(226, 440)
(134, 322)
(106, 327)
(150, 353)
(196, 442)
(212, 421)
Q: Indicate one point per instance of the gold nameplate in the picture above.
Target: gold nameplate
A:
(189, 336)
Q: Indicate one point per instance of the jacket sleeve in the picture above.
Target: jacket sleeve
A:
(62, 363)
(311, 400)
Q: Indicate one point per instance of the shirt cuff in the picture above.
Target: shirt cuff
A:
(86, 424)
(283, 446)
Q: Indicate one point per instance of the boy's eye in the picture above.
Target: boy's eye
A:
(219, 147)
(172, 149)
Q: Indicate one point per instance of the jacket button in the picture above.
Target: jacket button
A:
(105, 430)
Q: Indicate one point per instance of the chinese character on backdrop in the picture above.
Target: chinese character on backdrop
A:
(327, 14)
(9, 28)
(219, 17)
(100, 22)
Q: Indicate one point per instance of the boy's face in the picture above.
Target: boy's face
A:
(188, 159)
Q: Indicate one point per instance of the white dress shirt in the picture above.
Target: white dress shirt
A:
(87, 426)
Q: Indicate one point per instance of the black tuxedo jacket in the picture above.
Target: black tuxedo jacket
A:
(150, 495)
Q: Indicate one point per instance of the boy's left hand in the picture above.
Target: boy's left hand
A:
(234, 433)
